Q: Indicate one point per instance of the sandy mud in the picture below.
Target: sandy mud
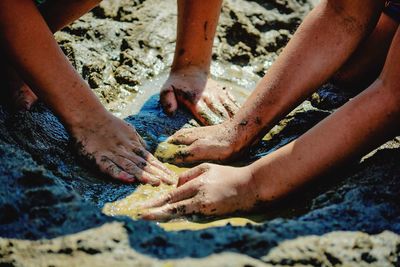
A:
(51, 204)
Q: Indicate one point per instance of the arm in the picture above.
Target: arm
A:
(360, 125)
(323, 42)
(189, 83)
(114, 146)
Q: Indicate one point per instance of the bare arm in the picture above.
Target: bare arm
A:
(189, 82)
(360, 125)
(323, 42)
(31, 47)
(114, 146)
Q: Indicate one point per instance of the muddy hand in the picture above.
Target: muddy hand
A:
(211, 143)
(208, 101)
(119, 151)
(207, 189)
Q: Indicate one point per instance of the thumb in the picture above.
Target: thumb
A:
(168, 100)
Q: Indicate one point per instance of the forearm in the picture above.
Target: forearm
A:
(351, 131)
(60, 13)
(31, 48)
(324, 41)
(197, 23)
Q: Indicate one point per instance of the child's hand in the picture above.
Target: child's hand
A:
(208, 101)
(118, 150)
(211, 143)
(206, 189)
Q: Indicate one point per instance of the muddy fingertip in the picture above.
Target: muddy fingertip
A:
(168, 102)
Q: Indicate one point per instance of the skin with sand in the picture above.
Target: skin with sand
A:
(347, 134)
(38, 68)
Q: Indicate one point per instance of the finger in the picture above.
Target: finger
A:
(183, 137)
(146, 166)
(131, 168)
(141, 140)
(136, 138)
(107, 166)
(168, 100)
(176, 195)
(193, 153)
(232, 98)
(192, 174)
(171, 211)
(148, 157)
(229, 106)
(205, 115)
(215, 106)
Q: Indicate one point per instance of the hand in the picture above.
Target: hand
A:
(213, 143)
(207, 189)
(208, 101)
(118, 150)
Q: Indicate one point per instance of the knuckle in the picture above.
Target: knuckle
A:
(205, 166)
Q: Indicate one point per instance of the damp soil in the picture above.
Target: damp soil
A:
(55, 210)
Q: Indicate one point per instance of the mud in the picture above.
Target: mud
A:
(47, 193)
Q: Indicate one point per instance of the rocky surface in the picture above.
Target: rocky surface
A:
(47, 192)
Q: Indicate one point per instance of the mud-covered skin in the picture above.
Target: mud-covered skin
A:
(127, 160)
(209, 102)
(46, 192)
(206, 189)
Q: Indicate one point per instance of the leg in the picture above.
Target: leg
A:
(58, 14)
(366, 63)
(189, 83)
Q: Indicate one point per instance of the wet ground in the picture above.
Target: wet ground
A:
(123, 49)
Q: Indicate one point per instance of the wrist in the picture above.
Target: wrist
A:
(188, 68)
(246, 131)
(253, 184)
(85, 118)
